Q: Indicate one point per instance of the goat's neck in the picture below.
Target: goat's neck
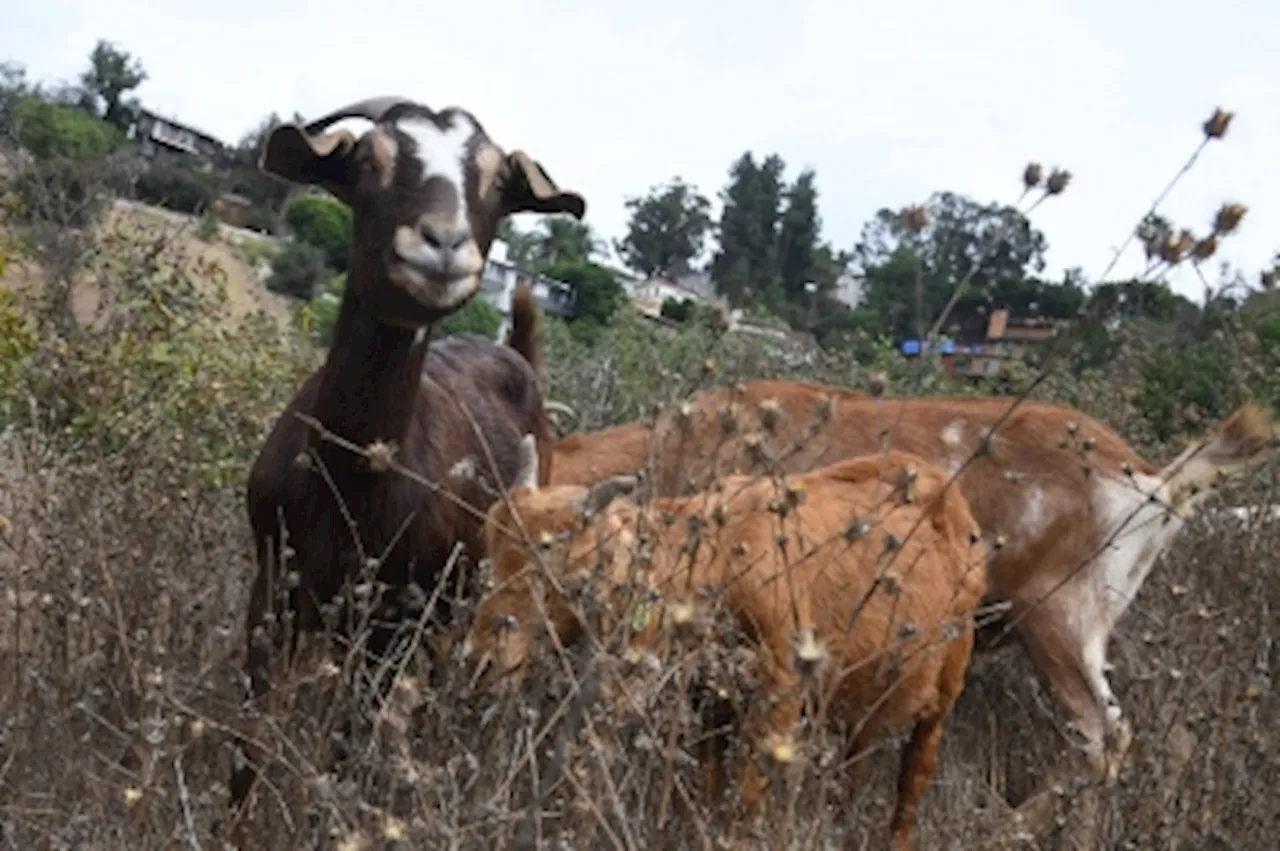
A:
(371, 380)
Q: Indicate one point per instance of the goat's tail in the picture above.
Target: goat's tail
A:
(1244, 439)
(523, 334)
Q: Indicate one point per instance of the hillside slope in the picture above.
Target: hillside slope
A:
(240, 255)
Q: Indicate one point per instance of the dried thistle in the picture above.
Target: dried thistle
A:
(1204, 248)
(393, 829)
(1176, 248)
(1228, 218)
(1216, 126)
(857, 529)
(756, 449)
(915, 217)
(680, 614)
(825, 411)
(380, 455)
(907, 484)
(781, 748)
(771, 414)
(1032, 175)
(877, 383)
(809, 654)
(684, 418)
(728, 418)
(1057, 182)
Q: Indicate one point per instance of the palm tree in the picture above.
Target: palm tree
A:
(522, 246)
(563, 239)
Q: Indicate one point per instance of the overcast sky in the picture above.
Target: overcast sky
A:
(888, 100)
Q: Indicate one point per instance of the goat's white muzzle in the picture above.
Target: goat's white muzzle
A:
(436, 277)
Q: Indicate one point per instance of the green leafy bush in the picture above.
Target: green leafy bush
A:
(324, 310)
(54, 131)
(172, 371)
(298, 270)
(598, 294)
(477, 316)
(322, 222)
(175, 185)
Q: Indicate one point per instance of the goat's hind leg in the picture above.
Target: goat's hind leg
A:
(1069, 655)
(920, 754)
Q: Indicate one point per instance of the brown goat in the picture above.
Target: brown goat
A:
(1076, 518)
(427, 191)
(590, 457)
(871, 578)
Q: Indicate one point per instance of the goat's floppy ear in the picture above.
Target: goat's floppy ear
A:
(294, 155)
(529, 189)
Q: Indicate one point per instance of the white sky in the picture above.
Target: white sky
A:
(888, 99)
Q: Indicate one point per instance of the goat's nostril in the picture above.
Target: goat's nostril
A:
(431, 236)
(450, 239)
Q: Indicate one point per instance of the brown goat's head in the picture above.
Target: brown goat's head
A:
(506, 625)
(427, 191)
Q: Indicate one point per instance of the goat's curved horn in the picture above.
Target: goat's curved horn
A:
(555, 407)
(373, 108)
(527, 475)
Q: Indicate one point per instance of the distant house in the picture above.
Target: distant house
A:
(501, 277)
(648, 295)
(848, 289)
(1008, 339)
(159, 135)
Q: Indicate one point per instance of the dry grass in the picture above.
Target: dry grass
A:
(119, 684)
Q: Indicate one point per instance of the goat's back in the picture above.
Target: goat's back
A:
(882, 580)
(585, 458)
(1032, 484)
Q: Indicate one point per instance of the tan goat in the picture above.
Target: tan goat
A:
(881, 571)
(597, 455)
(1076, 517)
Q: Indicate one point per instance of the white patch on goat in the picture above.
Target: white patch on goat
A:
(1034, 513)
(1137, 529)
(953, 439)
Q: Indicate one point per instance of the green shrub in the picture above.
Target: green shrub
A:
(324, 310)
(207, 230)
(477, 316)
(176, 186)
(598, 293)
(322, 222)
(53, 131)
(172, 371)
(299, 271)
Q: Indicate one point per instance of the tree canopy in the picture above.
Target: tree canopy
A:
(667, 230)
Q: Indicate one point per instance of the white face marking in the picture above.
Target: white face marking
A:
(443, 152)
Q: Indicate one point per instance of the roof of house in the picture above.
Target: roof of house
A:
(151, 113)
